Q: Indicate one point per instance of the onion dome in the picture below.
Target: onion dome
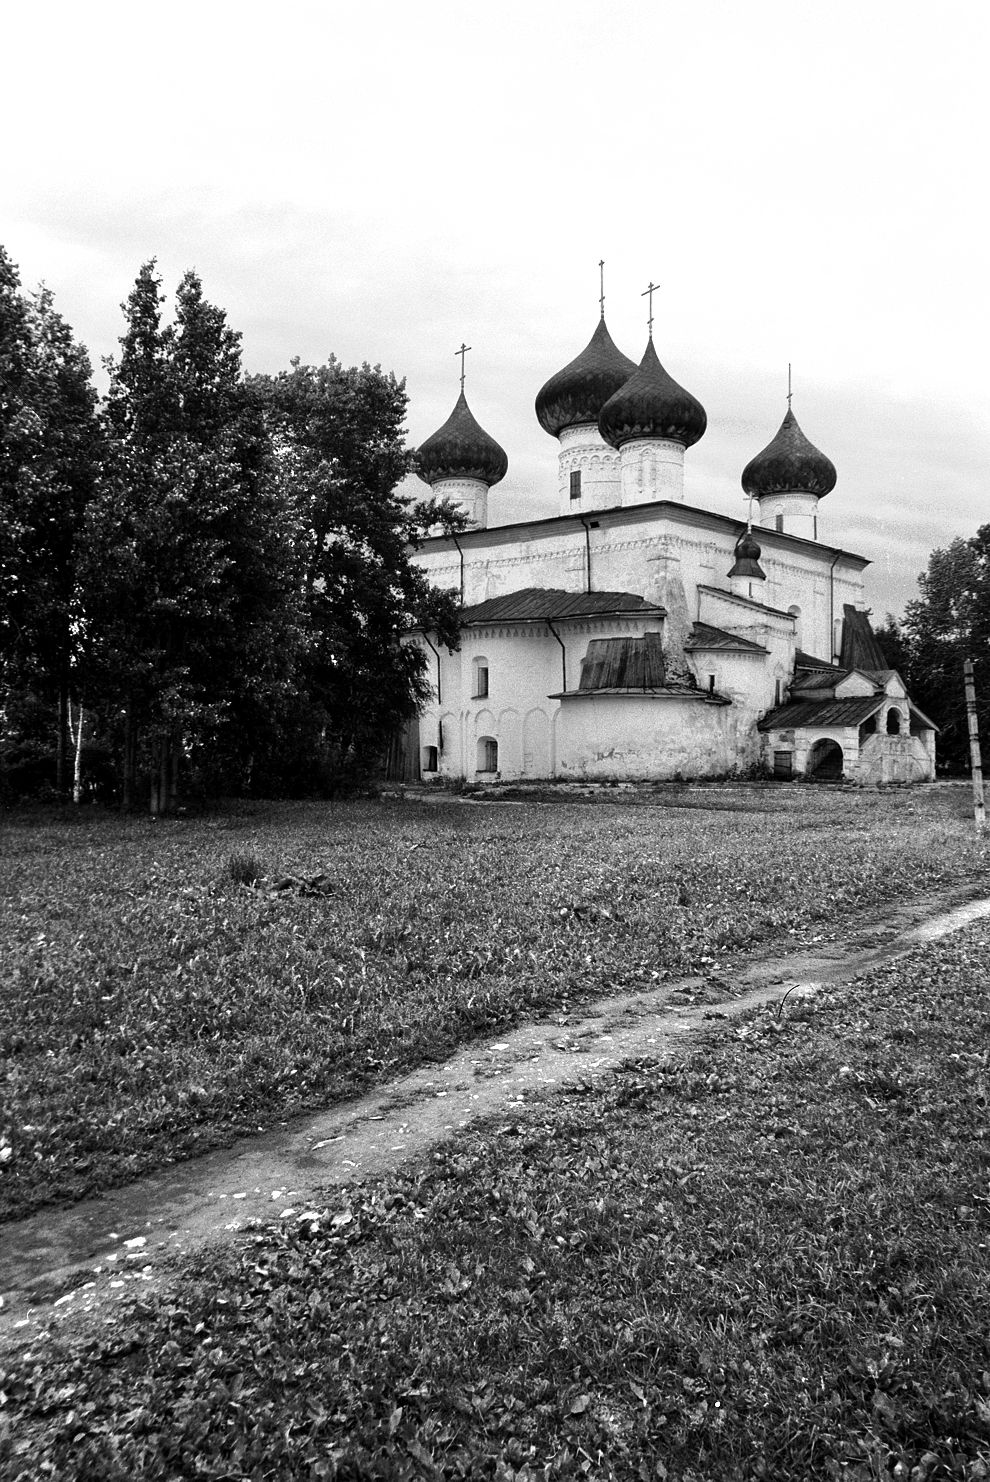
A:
(651, 404)
(577, 393)
(461, 449)
(789, 465)
(747, 562)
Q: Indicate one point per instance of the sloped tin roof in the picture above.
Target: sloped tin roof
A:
(706, 636)
(537, 604)
(860, 649)
(624, 664)
(807, 713)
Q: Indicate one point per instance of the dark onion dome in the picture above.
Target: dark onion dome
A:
(747, 562)
(577, 393)
(461, 449)
(651, 404)
(789, 465)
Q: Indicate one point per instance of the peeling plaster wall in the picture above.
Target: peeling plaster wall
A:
(634, 737)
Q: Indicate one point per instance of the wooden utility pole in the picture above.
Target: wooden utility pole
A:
(976, 761)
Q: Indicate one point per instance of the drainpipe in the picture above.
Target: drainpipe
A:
(587, 550)
(563, 652)
(831, 605)
(461, 554)
(426, 639)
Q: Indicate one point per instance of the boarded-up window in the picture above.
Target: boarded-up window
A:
(783, 764)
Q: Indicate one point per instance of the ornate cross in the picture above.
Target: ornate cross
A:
(601, 277)
(789, 393)
(653, 288)
(462, 352)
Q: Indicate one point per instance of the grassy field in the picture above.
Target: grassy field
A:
(155, 1004)
(767, 1262)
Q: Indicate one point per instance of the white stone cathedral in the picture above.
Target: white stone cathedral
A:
(633, 636)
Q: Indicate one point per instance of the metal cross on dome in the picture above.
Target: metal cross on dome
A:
(601, 279)
(462, 352)
(653, 288)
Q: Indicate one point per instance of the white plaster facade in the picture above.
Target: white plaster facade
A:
(734, 649)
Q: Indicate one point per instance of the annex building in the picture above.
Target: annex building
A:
(633, 636)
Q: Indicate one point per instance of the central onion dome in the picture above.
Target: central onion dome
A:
(577, 393)
(651, 404)
(461, 449)
(789, 465)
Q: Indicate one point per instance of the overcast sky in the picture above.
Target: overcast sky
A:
(807, 182)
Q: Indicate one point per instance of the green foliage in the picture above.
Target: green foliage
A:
(49, 456)
(154, 1007)
(947, 623)
(340, 455)
(765, 1261)
(190, 577)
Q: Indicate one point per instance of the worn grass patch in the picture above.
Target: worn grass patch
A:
(167, 986)
(766, 1262)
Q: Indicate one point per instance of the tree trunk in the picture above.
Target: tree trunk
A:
(130, 752)
(62, 739)
(77, 765)
(173, 772)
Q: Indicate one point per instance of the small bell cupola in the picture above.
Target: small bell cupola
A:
(746, 570)
(788, 479)
(651, 420)
(567, 407)
(461, 461)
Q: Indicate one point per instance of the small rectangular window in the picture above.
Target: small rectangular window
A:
(430, 759)
(779, 523)
(711, 684)
(481, 681)
(576, 484)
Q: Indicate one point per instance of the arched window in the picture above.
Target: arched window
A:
(479, 677)
(893, 721)
(487, 754)
(795, 613)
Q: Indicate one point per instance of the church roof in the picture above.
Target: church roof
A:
(804, 713)
(537, 604)
(706, 636)
(624, 664)
(577, 393)
(860, 649)
(461, 449)
(651, 404)
(789, 464)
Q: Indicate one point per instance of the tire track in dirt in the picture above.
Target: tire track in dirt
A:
(77, 1262)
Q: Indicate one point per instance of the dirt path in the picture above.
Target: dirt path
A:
(65, 1263)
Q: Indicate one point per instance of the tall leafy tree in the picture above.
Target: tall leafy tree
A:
(340, 451)
(49, 457)
(191, 578)
(947, 623)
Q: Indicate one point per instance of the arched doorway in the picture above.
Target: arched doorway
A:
(824, 762)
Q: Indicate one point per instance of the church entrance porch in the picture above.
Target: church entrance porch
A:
(824, 762)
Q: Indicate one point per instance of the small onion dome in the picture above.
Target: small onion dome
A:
(578, 392)
(789, 465)
(651, 404)
(747, 562)
(461, 449)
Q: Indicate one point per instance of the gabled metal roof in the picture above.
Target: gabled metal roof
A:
(819, 679)
(706, 636)
(807, 713)
(538, 604)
